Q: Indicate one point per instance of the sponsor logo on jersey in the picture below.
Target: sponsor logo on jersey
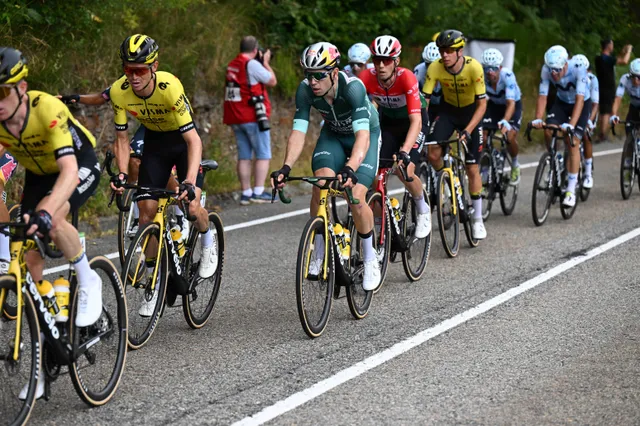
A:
(53, 124)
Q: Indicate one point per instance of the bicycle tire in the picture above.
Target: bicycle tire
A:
(9, 307)
(191, 315)
(409, 211)
(626, 193)
(358, 299)
(114, 317)
(568, 212)
(314, 330)
(508, 203)
(138, 339)
(468, 231)
(383, 251)
(584, 192)
(9, 391)
(545, 161)
(123, 219)
(488, 185)
(446, 219)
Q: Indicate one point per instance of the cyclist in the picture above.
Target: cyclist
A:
(570, 109)
(157, 100)
(594, 90)
(8, 166)
(430, 54)
(463, 107)
(403, 118)
(504, 107)
(351, 130)
(359, 55)
(62, 171)
(630, 83)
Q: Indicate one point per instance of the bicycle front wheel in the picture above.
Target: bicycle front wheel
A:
(448, 221)
(198, 304)
(358, 299)
(627, 169)
(508, 192)
(488, 194)
(543, 188)
(126, 224)
(339, 213)
(415, 258)
(314, 293)
(102, 347)
(144, 299)
(382, 234)
(19, 377)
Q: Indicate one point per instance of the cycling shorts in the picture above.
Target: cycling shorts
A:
(561, 113)
(394, 133)
(332, 150)
(449, 121)
(495, 113)
(137, 143)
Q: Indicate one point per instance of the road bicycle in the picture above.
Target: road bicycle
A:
(630, 161)
(495, 170)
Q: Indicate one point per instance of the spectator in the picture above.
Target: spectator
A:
(605, 71)
(247, 109)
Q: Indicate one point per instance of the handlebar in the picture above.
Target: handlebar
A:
(552, 127)
(313, 180)
(21, 233)
(633, 123)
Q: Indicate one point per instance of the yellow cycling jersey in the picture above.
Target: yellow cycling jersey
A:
(167, 108)
(49, 132)
(458, 90)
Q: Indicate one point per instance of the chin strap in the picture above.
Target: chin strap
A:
(19, 103)
(332, 83)
(147, 85)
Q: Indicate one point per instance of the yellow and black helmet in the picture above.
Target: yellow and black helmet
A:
(450, 39)
(13, 66)
(435, 36)
(139, 49)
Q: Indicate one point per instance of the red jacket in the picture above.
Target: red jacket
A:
(238, 92)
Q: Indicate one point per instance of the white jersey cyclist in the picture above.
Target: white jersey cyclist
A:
(575, 82)
(507, 88)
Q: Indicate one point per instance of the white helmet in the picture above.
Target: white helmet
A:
(359, 53)
(386, 46)
(580, 61)
(321, 55)
(556, 57)
(492, 58)
(634, 67)
(431, 52)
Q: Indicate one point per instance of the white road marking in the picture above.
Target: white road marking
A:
(324, 386)
(300, 212)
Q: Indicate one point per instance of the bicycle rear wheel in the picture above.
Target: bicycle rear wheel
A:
(358, 299)
(473, 242)
(198, 304)
(488, 186)
(144, 303)
(414, 260)
(508, 192)
(543, 187)
(126, 225)
(448, 222)
(314, 294)
(584, 192)
(97, 372)
(14, 375)
(381, 234)
(627, 169)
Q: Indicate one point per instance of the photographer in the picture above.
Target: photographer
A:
(247, 110)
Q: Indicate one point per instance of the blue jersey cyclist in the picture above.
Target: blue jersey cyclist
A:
(570, 110)
(629, 83)
(504, 107)
(347, 146)
(359, 55)
(430, 54)
(594, 91)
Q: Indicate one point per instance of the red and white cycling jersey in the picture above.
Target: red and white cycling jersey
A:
(399, 100)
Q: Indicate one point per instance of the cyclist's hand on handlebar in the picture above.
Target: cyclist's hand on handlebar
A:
(117, 181)
(614, 119)
(464, 136)
(40, 221)
(187, 190)
(347, 177)
(403, 159)
(504, 126)
(279, 177)
(537, 123)
(567, 127)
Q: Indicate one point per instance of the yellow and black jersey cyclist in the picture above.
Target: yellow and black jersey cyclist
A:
(62, 173)
(157, 100)
(462, 108)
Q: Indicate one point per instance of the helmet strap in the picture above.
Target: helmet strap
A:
(393, 74)
(330, 87)
(19, 103)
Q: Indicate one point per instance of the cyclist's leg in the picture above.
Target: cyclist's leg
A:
(8, 166)
(491, 118)
(262, 151)
(137, 147)
(512, 137)
(472, 159)
(573, 166)
(441, 129)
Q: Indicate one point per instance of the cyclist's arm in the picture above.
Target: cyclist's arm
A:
(543, 92)
(577, 110)
(595, 98)
(616, 105)
(510, 95)
(194, 154)
(122, 150)
(619, 94)
(582, 88)
(481, 96)
(93, 99)
(356, 96)
(415, 126)
(510, 110)
(294, 147)
(66, 183)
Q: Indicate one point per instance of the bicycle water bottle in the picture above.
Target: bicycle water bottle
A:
(176, 236)
(395, 205)
(339, 233)
(48, 296)
(61, 287)
(499, 161)
(560, 162)
(347, 244)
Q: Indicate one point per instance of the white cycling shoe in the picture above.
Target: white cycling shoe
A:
(89, 301)
(371, 279)
(39, 388)
(208, 261)
(423, 225)
(569, 199)
(478, 230)
(588, 182)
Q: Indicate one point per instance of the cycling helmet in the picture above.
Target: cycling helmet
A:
(13, 65)
(450, 39)
(359, 53)
(430, 53)
(580, 61)
(139, 49)
(492, 58)
(634, 67)
(556, 57)
(435, 37)
(386, 46)
(321, 55)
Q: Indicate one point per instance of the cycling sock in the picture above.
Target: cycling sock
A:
(247, 192)
(421, 205)
(318, 245)
(476, 201)
(136, 211)
(572, 181)
(258, 190)
(206, 238)
(4, 247)
(515, 162)
(367, 246)
(81, 265)
(588, 164)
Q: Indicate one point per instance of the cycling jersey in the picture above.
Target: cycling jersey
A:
(594, 88)
(506, 89)
(458, 90)
(398, 101)
(420, 72)
(50, 132)
(574, 83)
(351, 109)
(165, 110)
(626, 83)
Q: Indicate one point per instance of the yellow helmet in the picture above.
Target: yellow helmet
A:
(450, 38)
(13, 65)
(140, 49)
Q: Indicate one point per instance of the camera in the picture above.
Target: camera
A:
(261, 112)
(261, 52)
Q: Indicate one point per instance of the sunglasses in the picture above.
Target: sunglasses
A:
(317, 76)
(139, 71)
(448, 50)
(382, 59)
(491, 69)
(5, 90)
(556, 70)
(356, 65)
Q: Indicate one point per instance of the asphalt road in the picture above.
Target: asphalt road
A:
(562, 348)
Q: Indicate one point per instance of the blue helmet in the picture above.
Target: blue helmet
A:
(359, 53)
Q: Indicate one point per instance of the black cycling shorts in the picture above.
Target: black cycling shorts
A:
(456, 119)
(163, 150)
(394, 133)
(561, 113)
(495, 113)
(36, 187)
(632, 115)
